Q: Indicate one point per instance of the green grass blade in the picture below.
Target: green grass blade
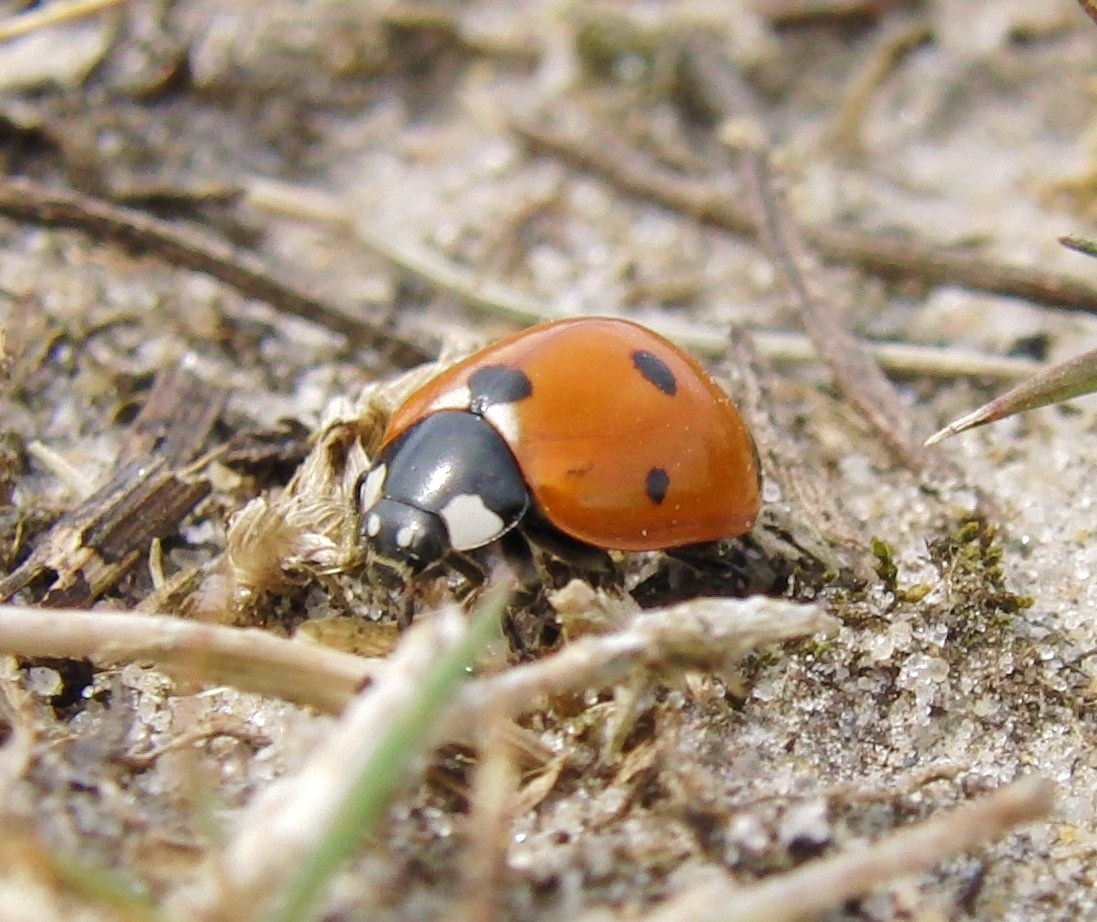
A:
(1072, 378)
(386, 772)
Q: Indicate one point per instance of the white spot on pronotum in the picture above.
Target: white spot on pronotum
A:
(459, 398)
(373, 525)
(470, 523)
(372, 487)
(504, 419)
(405, 536)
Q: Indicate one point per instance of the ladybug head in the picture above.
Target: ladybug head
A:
(402, 541)
(447, 484)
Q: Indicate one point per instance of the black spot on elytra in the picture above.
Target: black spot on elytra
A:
(498, 384)
(656, 485)
(655, 370)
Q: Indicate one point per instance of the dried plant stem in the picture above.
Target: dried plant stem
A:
(889, 256)
(897, 358)
(501, 301)
(859, 377)
(704, 633)
(406, 255)
(249, 659)
(51, 15)
(823, 885)
(862, 382)
(896, 42)
(26, 200)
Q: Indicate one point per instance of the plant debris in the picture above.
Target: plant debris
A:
(236, 237)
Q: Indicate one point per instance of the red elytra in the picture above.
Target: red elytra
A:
(624, 441)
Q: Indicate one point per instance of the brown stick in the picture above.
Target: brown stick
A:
(149, 492)
(886, 255)
(864, 385)
(828, 883)
(25, 200)
(249, 659)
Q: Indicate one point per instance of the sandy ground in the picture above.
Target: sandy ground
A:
(974, 666)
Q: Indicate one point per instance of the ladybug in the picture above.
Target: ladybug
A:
(598, 428)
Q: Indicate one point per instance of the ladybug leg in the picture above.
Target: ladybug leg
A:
(733, 566)
(469, 567)
(406, 613)
(592, 561)
(528, 624)
(519, 560)
(511, 556)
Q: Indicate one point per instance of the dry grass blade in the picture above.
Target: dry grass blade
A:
(295, 835)
(52, 15)
(249, 659)
(26, 200)
(729, 100)
(895, 42)
(888, 256)
(1072, 378)
(408, 256)
(498, 300)
(910, 359)
(829, 883)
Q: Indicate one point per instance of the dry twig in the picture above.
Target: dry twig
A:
(825, 884)
(501, 301)
(187, 248)
(52, 15)
(889, 49)
(889, 256)
(150, 491)
(247, 658)
(727, 98)
(702, 634)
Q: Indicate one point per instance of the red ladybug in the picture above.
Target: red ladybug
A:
(599, 427)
